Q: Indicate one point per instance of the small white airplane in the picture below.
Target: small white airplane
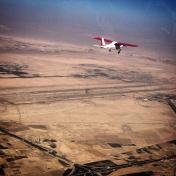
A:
(112, 44)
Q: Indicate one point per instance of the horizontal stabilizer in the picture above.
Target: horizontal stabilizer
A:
(97, 46)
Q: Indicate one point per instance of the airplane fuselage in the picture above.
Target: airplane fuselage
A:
(109, 46)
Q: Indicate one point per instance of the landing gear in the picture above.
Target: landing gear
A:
(109, 50)
(118, 48)
(119, 51)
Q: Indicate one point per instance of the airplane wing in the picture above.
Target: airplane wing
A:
(127, 44)
(106, 40)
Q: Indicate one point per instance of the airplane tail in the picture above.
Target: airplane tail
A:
(99, 46)
(103, 42)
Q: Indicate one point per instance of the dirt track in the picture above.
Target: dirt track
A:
(47, 96)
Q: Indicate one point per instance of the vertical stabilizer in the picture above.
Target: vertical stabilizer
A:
(102, 42)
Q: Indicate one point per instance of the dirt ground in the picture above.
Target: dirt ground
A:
(86, 105)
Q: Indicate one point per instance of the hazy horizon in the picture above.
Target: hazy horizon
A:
(151, 23)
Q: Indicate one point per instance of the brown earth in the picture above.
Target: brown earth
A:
(85, 104)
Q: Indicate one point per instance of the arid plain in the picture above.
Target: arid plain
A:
(83, 104)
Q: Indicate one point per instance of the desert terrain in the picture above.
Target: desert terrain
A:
(65, 106)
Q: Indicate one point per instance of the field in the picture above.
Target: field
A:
(82, 105)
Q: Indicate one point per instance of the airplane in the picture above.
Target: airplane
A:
(112, 44)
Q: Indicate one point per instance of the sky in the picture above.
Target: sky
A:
(143, 21)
